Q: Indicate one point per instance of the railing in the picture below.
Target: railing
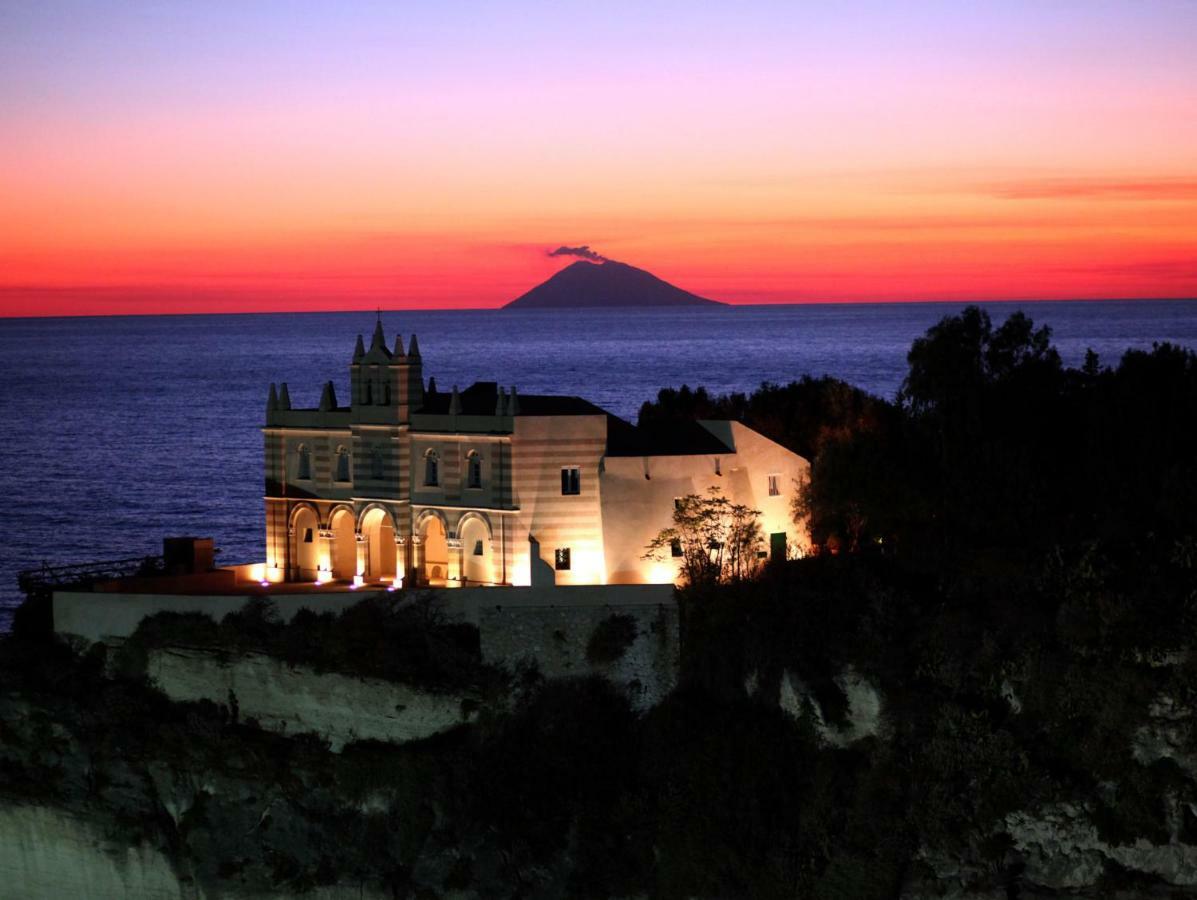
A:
(48, 577)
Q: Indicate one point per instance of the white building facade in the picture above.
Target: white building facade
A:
(484, 487)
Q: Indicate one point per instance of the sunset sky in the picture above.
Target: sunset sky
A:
(174, 157)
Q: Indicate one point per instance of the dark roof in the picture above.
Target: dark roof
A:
(684, 438)
(479, 400)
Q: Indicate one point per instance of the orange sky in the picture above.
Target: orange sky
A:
(188, 159)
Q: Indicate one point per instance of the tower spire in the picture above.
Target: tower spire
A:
(413, 349)
(398, 351)
(328, 398)
(360, 350)
(379, 340)
(271, 399)
(284, 397)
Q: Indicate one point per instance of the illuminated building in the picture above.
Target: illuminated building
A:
(484, 486)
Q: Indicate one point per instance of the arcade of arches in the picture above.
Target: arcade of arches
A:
(340, 552)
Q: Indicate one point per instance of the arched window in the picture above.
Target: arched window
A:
(386, 393)
(303, 465)
(432, 475)
(342, 463)
(376, 464)
(473, 470)
(367, 397)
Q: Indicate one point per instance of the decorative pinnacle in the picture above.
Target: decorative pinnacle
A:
(328, 398)
(284, 397)
(455, 403)
(360, 350)
(379, 340)
(413, 349)
(501, 403)
(398, 352)
(513, 405)
(272, 399)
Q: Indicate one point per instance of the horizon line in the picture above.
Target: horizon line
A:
(723, 305)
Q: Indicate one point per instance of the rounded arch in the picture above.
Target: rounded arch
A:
(426, 514)
(303, 462)
(474, 516)
(473, 467)
(343, 468)
(305, 551)
(432, 467)
(378, 528)
(373, 507)
(343, 524)
(299, 507)
(477, 564)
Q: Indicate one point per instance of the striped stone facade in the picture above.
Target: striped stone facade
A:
(482, 487)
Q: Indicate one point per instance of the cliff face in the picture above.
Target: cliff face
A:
(298, 700)
(839, 729)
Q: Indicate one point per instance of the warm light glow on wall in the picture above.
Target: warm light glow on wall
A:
(521, 571)
(662, 573)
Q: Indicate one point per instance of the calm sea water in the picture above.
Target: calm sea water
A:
(118, 431)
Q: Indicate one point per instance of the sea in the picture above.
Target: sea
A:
(118, 431)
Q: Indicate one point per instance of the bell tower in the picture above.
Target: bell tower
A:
(387, 386)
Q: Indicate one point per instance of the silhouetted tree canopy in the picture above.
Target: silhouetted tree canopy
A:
(993, 450)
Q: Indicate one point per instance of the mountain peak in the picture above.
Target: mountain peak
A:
(610, 283)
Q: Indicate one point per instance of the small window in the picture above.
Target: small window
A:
(561, 559)
(478, 548)
(342, 464)
(474, 470)
(675, 547)
(432, 476)
(376, 464)
(571, 481)
(303, 468)
(677, 502)
(368, 398)
(774, 490)
(307, 535)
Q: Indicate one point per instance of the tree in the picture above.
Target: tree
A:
(718, 540)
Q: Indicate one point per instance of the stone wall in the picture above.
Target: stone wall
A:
(552, 628)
